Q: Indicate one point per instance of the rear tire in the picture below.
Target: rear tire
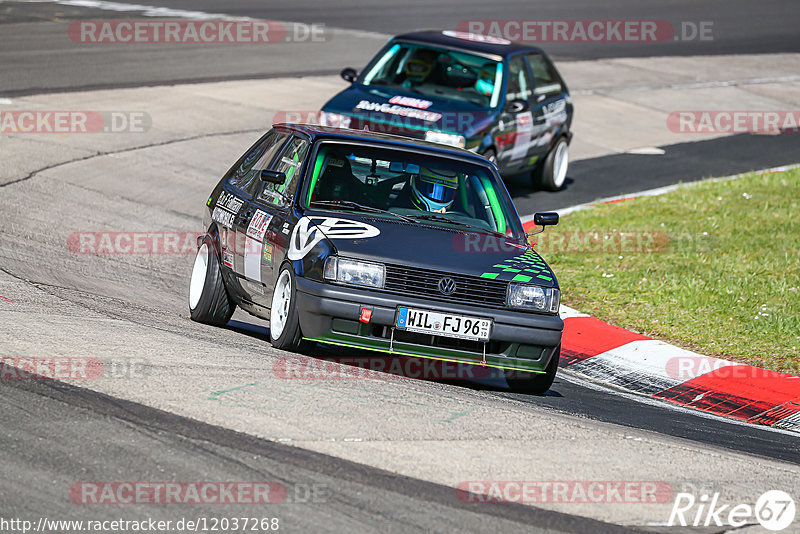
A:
(284, 322)
(534, 383)
(209, 302)
(552, 173)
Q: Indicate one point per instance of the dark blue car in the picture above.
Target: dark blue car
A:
(503, 100)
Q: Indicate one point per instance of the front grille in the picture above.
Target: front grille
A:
(425, 283)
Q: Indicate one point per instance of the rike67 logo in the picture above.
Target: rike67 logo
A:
(774, 510)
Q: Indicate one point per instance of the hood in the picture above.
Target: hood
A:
(432, 246)
(389, 110)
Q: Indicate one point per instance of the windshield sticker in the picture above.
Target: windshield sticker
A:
(476, 37)
(402, 111)
(307, 234)
(411, 102)
(258, 225)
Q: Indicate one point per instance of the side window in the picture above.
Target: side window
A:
(519, 85)
(290, 162)
(246, 175)
(545, 79)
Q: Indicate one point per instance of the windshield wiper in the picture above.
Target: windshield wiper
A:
(356, 206)
(437, 217)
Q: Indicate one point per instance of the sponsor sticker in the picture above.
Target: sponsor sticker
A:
(223, 217)
(403, 111)
(227, 258)
(258, 225)
(267, 255)
(230, 202)
(411, 102)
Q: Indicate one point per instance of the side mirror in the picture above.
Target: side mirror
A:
(545, 218)
(349, 74)
(276, 177)
(517, 106)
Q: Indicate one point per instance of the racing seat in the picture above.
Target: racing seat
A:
(337, 181)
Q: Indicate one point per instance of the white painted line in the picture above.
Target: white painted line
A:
(568, 313)
(647, 151)
(149, 11)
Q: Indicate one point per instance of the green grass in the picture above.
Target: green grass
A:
(719, 274)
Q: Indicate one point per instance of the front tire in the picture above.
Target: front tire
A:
(552, 173)
(209, 302)
(284, 323)
(534, 383)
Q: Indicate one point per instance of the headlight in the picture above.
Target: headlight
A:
(445, 138)
(544, 299)
(337, 120)
(353, 272)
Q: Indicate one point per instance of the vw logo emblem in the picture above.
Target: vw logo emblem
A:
(447, 286)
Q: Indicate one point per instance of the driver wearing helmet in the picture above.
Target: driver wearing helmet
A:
(419, 66)
(434, 189)
(485, 83)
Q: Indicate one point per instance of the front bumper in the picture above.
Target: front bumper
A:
(330, 313)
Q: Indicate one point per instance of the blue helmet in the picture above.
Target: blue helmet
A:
(434, 189)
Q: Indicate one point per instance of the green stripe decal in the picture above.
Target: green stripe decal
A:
(315, 176)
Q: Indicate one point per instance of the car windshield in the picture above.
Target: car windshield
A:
(405, 184)
(438, 72)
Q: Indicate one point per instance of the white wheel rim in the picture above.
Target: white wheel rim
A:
(198, 276)
(561, 164)
(281, 300)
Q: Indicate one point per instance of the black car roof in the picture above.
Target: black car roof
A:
(486, 46)
(344, 134)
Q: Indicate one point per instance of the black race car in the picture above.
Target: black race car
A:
(379, 242)
(500, 99)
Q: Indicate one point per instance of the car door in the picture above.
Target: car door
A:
(549, 105)
(244, 238)
(267, 231)
(515, 127)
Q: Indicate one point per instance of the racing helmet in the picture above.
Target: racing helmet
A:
(433, 189)
(485, 82)
(419, 65)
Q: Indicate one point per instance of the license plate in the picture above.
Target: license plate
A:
(443, 324)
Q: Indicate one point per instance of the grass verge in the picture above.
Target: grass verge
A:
(712, 267)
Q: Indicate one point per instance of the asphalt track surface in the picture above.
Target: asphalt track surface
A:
(35, 412)
(37, 56)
